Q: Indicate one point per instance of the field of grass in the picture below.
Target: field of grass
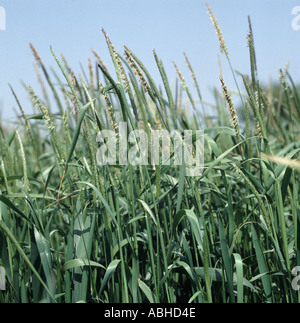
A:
(72, 230)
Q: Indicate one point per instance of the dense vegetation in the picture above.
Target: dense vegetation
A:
(72, 230)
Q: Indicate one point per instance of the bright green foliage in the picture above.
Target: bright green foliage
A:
(75, 231)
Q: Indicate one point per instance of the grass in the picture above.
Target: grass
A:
(74, 231)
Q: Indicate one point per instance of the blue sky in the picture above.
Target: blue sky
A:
(171, 27)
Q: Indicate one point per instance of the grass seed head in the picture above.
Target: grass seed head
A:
(231, 108)
(223, 46)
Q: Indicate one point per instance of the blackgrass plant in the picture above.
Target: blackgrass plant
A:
(72, 230)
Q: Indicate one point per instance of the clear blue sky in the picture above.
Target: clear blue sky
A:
(171, 27)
